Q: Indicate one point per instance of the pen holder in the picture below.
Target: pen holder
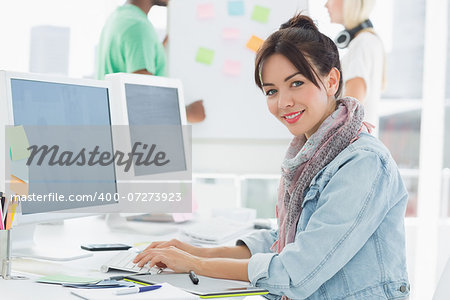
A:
(5, 253)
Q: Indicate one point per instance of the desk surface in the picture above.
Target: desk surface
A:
(70, 235)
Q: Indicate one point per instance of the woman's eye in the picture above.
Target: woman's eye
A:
(271, 92)
(297, 83)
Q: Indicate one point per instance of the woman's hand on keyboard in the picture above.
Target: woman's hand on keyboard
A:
(171, 257)
(197, 251)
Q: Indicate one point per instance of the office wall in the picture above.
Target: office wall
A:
(84, 18)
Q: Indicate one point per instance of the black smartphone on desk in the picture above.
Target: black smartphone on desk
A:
(105, 247)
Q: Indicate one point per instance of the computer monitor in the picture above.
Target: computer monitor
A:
(152, 102)
(46, 105)
(152, 110)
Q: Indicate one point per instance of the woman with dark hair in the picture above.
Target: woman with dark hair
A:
(341, 201)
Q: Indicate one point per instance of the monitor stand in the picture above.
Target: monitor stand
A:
(22, 239)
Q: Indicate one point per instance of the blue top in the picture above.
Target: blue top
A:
(350, 240)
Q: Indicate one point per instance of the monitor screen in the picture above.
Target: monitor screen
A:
(73, 117)
(47, 103)
(152, 105)
(154, 118)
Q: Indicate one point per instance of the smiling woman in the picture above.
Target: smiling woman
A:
(291, 96)
(341, 201)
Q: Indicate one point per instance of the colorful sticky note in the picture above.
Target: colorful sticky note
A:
(230, 33)
(232, 68)
(236, 8)
(18, 186)
(260, 14)
(205, 56)
(18, 142)
(19, 169)
(205, 11)
(254, 43)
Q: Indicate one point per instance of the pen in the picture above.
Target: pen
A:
(193, 277)
(134, 290)
(5, 210)
(1, 218)
(2, 200)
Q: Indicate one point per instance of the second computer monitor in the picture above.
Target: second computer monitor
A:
(153, 112)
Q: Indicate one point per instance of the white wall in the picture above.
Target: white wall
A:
(85, 18)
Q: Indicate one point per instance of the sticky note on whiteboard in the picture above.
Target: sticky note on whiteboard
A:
(204, 56)
(236, 8)
(230, 33)
(260, 14)
(254, 43)
(205, 11)
(232, 68)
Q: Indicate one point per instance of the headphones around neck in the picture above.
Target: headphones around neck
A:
(346, 36)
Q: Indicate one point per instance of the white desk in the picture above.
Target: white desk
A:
(72, 234)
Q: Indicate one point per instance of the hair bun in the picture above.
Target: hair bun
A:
(300, 21)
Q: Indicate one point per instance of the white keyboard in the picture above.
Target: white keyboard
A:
(124, 261)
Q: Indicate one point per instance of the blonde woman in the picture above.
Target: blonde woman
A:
(363, 62)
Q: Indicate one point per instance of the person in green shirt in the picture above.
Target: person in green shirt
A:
(129, 43)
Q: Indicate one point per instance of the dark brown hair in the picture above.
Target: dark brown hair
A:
(309, 50)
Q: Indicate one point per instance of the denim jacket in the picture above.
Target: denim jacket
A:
(350, 240)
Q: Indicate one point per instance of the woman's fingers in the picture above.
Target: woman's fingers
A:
(163, 244)
(171, 257)
(149, 255)
(156, 259)
(155, 244)
(161, 265)
(145, 258)
(139, 256)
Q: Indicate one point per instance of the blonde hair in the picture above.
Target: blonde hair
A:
(356, 12)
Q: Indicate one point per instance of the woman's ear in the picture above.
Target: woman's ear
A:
(333, 81)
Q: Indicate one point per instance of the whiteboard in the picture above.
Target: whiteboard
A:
(235, 107)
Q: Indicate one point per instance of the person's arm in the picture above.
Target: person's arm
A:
(226, 268)
(195, 112)
(344, 218)
(239, 252)
(183, 262)
(260, 241)
(143, 71)
(356, 88)
(165, 41)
